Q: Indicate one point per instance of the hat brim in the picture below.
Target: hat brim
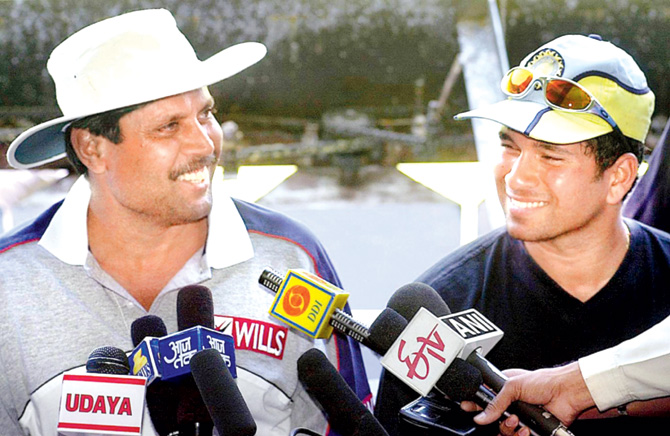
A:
(541, 122)
(44, 143)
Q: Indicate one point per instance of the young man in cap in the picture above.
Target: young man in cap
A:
(567, 276)
(145, 221)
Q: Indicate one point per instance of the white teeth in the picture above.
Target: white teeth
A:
(199, 176)
(526, 205)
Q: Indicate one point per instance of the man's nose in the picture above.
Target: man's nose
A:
(198, 140)
(523, 173)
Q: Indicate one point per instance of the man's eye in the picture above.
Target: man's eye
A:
(551, 158)
(169, 126)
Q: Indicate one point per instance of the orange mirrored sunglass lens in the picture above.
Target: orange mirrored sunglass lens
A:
(566, 95)
(518, 80)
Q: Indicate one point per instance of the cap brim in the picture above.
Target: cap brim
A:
(541, 122)
(39, 145)
(44, 143)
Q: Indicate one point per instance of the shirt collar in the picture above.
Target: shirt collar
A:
(228, 241)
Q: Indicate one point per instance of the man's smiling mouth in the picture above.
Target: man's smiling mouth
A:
(526, 204)
(198, 176)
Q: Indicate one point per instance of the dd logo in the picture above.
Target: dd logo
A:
(296, 300)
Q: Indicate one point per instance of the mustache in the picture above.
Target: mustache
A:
(196, 164)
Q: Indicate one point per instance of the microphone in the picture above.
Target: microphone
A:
(381, 335)
(302, 431)
(478, 332)
(542, 422)
(221, 395)
(196, 332)
(378, 337)
(161, 396)
(145, 357)
(195, 308)
(310, 304)
(105, 400)
(346, 414)
(303, 290)
(108, 360)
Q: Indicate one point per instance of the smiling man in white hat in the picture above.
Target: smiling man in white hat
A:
(143, 222)
(567, 276)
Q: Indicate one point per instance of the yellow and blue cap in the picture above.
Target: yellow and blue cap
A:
(606, 71)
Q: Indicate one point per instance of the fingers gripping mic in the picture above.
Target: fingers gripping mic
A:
(219, 391)
(346, 414)
(541, 421)
(538, 419)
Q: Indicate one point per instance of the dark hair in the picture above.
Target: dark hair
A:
(105, 124)
(606, 149)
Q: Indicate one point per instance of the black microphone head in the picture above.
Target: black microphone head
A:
(195, 307)
(346, 414)
(411, 297)
(108, 360)
(460, 381)
(147, 326)
(161, 397)
(385, 329)
(221, 395)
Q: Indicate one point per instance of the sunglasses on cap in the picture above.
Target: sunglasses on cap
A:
(559, 93)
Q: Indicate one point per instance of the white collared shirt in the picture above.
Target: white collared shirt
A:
(228, 241)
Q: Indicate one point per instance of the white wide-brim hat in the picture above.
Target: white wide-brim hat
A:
(122, 61)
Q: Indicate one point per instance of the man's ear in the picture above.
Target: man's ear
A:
(622, 176)
(89, 149)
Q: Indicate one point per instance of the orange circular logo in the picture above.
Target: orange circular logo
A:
(296, 300)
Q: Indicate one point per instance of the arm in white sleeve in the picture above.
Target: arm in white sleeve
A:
(636, 369)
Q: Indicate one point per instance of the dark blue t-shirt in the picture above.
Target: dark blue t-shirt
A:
(543, 325)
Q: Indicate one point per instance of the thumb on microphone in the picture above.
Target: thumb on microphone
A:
(511, 391)
(561, 390)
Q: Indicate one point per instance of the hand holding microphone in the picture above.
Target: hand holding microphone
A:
(561, 390)
(537, 418)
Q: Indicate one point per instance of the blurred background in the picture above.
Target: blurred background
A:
(347, 123)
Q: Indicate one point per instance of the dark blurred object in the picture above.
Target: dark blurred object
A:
(650, 200)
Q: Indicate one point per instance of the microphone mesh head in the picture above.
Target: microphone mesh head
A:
(385, 330)
(195, 307)
(460, 381)
(221, 396)
(411, 297)
(108, 360)
(147, 326)
(327, 387)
